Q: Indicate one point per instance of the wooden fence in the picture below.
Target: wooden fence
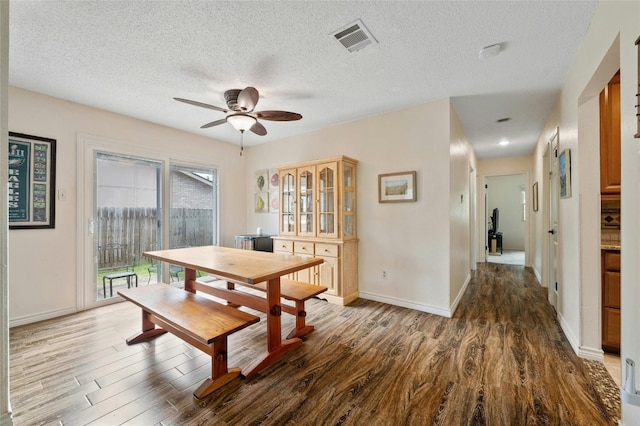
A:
(123, 234)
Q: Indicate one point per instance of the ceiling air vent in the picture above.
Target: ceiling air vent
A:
(354, 36)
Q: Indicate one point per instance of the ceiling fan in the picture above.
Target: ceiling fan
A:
(241, 105)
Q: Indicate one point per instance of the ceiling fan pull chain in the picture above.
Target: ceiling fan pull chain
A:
(241, 142)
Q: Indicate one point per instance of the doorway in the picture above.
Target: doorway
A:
(550, 191)
(506, 219)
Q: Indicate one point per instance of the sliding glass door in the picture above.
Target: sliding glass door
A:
(193, 210)
(130, 203)
(127, 221)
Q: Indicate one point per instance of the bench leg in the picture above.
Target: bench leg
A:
(149, 330)
(301, 327)
(220, 374)
(104, 287)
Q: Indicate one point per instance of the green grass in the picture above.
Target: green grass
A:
(142, 271)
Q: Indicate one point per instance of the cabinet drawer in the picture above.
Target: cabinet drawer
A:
(611, 327)
(283, 246)
(330, 250)
(302, 247)
(611, 261)
(612, 289)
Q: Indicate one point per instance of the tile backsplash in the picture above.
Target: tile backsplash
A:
(610, 221)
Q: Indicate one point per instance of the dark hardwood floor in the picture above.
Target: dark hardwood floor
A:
(502, 360)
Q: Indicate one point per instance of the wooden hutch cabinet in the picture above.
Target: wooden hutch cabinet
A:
(318, 219)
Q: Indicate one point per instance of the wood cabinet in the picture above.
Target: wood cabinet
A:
(318, 218)
(610, 153)
(611, 301)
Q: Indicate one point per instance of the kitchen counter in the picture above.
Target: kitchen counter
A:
(610, 246)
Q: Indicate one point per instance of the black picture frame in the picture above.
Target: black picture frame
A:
(32, 181)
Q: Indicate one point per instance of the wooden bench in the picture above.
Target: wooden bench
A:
(296, 291)
(195, 319)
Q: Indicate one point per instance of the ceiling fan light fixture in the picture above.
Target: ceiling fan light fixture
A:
(241, 122)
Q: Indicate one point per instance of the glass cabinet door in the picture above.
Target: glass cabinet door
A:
(287, 202)
(306, 201)
(349, 200)
(327, 199)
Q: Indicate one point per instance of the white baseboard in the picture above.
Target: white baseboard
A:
(454, 306)
(406, 304)
(28, 319)
(573, 341)
(594, 354)
(537, 274)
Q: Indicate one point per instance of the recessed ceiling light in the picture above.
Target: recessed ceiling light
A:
(503, 142)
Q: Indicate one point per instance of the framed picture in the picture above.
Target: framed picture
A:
(32, 181)
(564, 164)
(262, 202)
(534, 193)
(261, 181)
(274, 179)
(397, 187)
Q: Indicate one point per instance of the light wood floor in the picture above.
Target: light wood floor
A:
(614, 367)
(502, 360)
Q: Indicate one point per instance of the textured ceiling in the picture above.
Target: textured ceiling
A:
(133, 57)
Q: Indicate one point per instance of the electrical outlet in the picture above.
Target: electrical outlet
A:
(384, 275)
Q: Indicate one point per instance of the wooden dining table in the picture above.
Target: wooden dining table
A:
(245, 267)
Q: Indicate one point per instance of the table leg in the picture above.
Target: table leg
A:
(276, 348)
(190, 280)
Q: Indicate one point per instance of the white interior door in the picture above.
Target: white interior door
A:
(553, 221)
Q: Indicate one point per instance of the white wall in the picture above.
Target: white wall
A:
(411, 241)
(608, 44)
(5, 418)
(505, 193)
(462, 161)
(42, 261)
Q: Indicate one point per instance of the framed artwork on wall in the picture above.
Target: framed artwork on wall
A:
(564, 165)
(397, 187)
(32, 181)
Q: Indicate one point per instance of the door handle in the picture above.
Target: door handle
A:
(551, 231)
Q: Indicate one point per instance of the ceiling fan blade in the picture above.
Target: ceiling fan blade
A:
(200, 104)
(278, 115)
(214, 123)
(248, 98)
(258, 129)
